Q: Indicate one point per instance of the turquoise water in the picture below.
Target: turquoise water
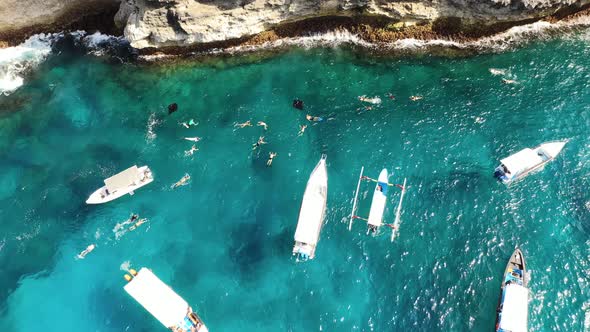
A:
(224, 241)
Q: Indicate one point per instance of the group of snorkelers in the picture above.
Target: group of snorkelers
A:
(119, 230)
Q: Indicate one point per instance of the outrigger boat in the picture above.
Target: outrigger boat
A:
(120, 184)
(312, 212)
(512, 313)
(527, 160)
(162, 302)
(375, 219)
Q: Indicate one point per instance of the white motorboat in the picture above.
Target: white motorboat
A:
(312, 212)
(120, 184)
(527, 160)
(162, 302)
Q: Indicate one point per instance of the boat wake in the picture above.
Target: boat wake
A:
(17, 61)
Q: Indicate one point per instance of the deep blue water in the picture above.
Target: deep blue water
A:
(224, 241)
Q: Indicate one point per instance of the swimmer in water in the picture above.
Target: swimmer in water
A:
(313, 118)
(242, 125)
(138, 223)
(270, 158)
(262, 124)
(191, 151)
(86, 251)
(259, 143)
(191, 123)
(390, 96)
(301, 130)
(507, 81)
(181, 182)
(415, 98)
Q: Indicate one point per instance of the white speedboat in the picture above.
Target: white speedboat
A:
(312, 212)
(513, 306)
(120, 184)
(375, 219)
(162, 302)
(527, 160)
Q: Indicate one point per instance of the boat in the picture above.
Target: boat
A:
(120, 184)
(512, 312)
(162, 302)
(312, 212)
(375, 219)
(526, 161)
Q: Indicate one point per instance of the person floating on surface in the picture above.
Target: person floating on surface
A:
(262, 124)
(298, 104)
(172, 108)
(138, 223)
(390, 96)
(191, 151)
(507, 81)
(182, 182)
(314, 118)
(301, 130)
(190, 123)
(242, 125)
(415, 98)
(259, 143)
(86, 251)
(270, 158)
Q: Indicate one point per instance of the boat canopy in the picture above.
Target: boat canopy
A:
(312, 206)
(514, 309)
(157, 298)
(521, 161)
(123, 179)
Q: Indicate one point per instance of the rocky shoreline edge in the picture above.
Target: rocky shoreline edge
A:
(373, 29)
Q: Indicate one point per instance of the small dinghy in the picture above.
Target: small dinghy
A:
(312, 212)
(120, 184)
(527, 160)
(513, 307)
(162, 302)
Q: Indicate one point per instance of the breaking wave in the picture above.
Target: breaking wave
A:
(17, 61)
(509, 39)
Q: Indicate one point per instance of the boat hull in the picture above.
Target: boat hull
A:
(379, 200)
(512, 312)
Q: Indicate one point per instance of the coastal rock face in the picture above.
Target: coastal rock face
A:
(17, 15)
(161, 23)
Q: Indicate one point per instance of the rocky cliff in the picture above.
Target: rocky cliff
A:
(22, 18)
(161, 23)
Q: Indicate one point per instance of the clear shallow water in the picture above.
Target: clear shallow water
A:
(224, 241)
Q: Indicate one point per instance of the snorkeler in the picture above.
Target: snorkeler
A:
(314, 118)
(172, 108)
(86, 251)
(415, 98)
(270, 158)
(138, 223)
(507, 81)
(242, 125)
(190, 123)
(181, 182)
(191, 151)
(301, 130)
(262, 124)
(259, 143)
(298, 104)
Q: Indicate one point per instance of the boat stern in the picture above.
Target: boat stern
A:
(303, 251)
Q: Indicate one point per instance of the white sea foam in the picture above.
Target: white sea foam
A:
(97, 42)
(15, 61)
(508, 39)
(125, 266)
